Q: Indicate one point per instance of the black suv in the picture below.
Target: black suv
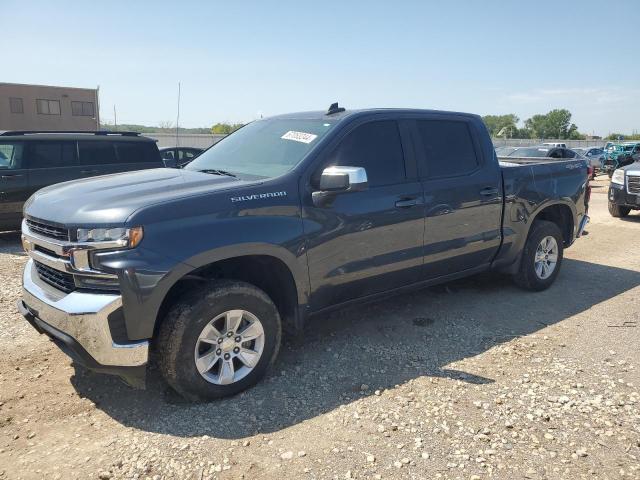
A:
(31, 160)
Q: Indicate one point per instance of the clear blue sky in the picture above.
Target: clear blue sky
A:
(239, 59)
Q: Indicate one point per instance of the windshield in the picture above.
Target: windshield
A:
(530, 152)
(264, 148)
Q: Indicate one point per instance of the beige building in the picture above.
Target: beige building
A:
(41, 107)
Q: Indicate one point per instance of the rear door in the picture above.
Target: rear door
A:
(185, 155)
(169, 154)
(13, 183)
(101, 157)
(136, 155)
(51, 162)
(462, 191)
(96, 157)
(366, 242)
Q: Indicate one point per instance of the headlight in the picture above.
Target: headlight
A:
(618, 177)
(125, 237)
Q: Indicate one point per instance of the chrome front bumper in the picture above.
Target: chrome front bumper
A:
(83, 317)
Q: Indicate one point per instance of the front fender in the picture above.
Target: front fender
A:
(295, 262)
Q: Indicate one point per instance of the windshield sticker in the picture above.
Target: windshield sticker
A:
(302, 137)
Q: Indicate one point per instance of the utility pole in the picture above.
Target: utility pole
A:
(97, 112)
(178, 118)
(115, 118)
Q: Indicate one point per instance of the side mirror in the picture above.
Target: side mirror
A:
(343, 179)
(169, 162)
(336, 180)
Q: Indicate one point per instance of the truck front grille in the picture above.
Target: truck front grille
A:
(633, 184)
(60, 280)
(47, 230)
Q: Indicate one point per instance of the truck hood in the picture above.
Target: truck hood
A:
(111, 199)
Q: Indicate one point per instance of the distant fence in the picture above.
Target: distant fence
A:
(200, 140)
(516, 142)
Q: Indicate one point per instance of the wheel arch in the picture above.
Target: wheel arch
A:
(266, 267)
(559, 213)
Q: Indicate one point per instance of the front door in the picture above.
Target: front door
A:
(463, 201)
(13, 184)
(366, 242)
(50, 162)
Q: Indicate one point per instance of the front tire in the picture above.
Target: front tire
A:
(218, 340)
(618, 211)
(541, 257)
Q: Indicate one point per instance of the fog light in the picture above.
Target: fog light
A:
(26, 244)
(97, 283)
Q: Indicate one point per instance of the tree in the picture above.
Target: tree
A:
(225, 128)
(555, 124)
(618, 136)
(501, 125)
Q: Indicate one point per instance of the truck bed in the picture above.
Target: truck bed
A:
(517, 161)
(531, 183)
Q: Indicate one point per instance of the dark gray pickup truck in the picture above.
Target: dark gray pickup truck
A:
(202, 267)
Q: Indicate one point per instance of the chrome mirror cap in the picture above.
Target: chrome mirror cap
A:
(339, 178)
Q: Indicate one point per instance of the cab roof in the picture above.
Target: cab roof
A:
(73, 135)
(344, 114)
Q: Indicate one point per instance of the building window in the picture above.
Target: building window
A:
(82, 109)
(48, 107)
(16, 105)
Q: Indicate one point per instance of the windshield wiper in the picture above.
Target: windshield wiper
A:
(218, 172)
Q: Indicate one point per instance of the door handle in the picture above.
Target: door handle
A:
(88, 172)
(10, 177)
(489, 192)
(407, 203)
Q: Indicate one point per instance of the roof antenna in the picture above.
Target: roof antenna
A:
(334, 108)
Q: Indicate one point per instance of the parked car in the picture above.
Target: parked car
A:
(282, 220)
(562, 145)
(32, 160)
(594, 155)
(621, 155)
(624, 190)
(181, 155)
(542, 151)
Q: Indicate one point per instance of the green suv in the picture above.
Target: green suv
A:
(619, 155)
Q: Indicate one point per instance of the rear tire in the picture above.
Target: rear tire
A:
(536, 272)
(618, 211)
(206, 327)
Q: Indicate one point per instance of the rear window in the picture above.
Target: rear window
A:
(52, 154)
(448, 148)
(137, 152)
(97, 153)
(530, 152)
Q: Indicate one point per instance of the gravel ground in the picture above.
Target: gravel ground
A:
(473, 379)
